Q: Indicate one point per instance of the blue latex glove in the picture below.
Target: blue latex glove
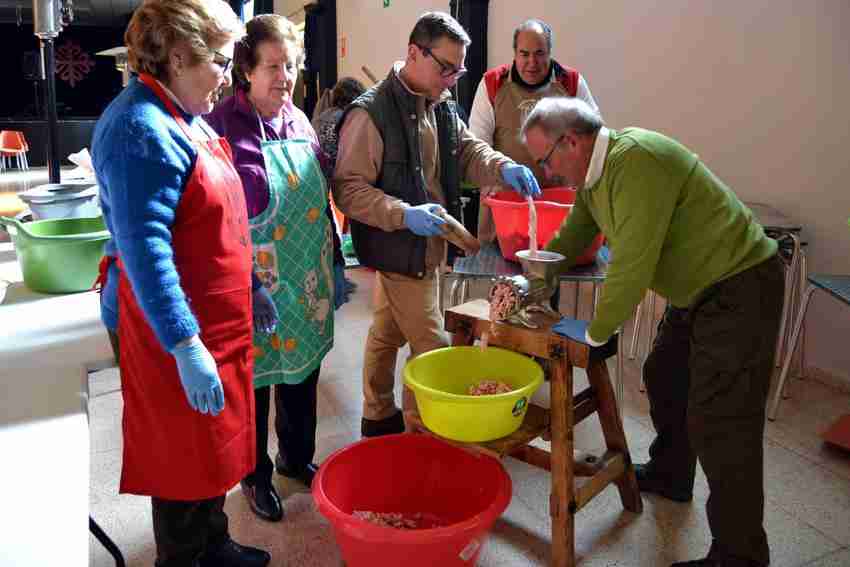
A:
(265, 311)
(341, 289)
(421, 219)
(199, 376)
(521, 179)
(572, 329)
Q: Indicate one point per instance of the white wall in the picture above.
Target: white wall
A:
(377, 36)
(293, 9)
(752, 86)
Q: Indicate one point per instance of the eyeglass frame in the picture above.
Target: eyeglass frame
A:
(446, 71)
(224, 66)
(544, 162)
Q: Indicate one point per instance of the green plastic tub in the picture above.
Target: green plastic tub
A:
(58, 255)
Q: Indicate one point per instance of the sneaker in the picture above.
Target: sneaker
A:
(648, 481)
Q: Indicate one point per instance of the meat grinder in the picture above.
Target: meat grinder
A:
(533, 289)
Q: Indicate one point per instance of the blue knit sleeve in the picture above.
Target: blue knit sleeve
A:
(144, 165)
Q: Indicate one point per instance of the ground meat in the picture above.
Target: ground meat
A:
(489, 388)
(532, 227)
(502, 301)
(417, 521)
(485, 338)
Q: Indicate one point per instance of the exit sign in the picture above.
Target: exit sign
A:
(386, 3)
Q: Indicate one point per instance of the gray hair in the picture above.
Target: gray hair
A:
(538, 26)
(558, 115)
(433, 26)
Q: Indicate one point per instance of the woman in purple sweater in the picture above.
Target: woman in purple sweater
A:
(296, 249)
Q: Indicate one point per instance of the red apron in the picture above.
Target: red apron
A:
(170, 450)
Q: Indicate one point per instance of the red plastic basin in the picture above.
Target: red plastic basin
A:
(408, 474)
(510, 214)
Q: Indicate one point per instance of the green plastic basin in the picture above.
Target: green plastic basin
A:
(58, 255)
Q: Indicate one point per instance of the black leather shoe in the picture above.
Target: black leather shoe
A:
(718, 558)
(231, 554)
(264, 501)
(719, 562)
(386, 426)
(304, 476)
(654, 483)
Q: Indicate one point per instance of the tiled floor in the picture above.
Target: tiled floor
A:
(807, 485)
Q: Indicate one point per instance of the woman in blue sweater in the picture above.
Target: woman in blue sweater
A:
(174, 205)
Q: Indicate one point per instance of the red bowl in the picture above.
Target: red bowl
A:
(510, 214)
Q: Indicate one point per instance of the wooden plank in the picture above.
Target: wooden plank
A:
(561, 503)
(613, 467)
(534, 456)
(536, 421)
(414, 421)
(615, 437)
(584, 405)
(474, 317)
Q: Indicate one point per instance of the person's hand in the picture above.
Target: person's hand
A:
(265, 311)
(521, 179)
(341, 289)
(422, 219)
(199, 376)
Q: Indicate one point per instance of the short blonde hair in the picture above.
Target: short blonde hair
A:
(158, 25)
(264, 28)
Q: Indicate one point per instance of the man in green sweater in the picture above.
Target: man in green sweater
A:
(675, 228)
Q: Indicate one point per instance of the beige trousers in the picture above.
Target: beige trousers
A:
(406, 311)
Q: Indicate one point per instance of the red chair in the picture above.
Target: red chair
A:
(14, 144)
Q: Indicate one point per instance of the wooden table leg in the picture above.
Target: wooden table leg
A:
(562, 499)
(615, 436)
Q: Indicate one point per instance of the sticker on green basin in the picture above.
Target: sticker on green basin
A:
(519, 406)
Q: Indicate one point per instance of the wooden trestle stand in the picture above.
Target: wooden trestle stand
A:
(468, 322)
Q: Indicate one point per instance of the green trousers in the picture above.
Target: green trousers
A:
(707, 379)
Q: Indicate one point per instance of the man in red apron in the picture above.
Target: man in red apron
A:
(175, 207)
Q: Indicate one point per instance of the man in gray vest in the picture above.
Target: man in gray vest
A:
(402, 153)
(507, 93)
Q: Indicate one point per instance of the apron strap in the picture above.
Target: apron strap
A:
(260, 124)
(156, 87)
(103, 273)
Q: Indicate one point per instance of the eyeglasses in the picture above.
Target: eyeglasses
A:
(545, 161)
(222, 61)
(446, 71)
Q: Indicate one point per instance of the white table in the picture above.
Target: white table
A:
(48, 344)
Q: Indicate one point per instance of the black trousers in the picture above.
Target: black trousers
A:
(707, 379)
(183, 530)
(295, 425)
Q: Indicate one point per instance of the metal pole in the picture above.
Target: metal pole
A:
(49, 74)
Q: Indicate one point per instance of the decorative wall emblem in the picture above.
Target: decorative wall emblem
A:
(72, 63)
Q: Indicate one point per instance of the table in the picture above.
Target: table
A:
(467, 322)
(489, 264)
(48, 345)
(837, 286)
(788, 233)
(772, 219)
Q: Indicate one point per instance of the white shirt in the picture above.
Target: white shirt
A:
(482, 118)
